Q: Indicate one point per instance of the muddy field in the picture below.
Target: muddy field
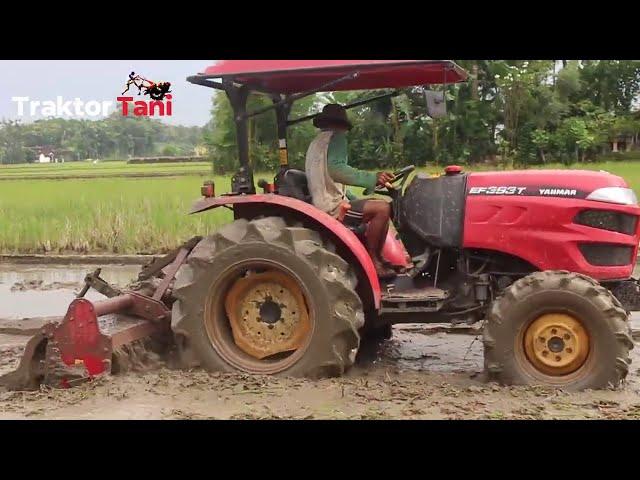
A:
(421, 373)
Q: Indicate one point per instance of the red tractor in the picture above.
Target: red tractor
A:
(287, 289)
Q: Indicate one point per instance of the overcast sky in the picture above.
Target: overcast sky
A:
(102, 80)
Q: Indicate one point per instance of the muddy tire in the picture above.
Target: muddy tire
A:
(560, 329)
(327, 282)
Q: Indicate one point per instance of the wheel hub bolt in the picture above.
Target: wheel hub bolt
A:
(556, 344)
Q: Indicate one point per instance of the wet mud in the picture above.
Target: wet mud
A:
(423, 372)
(414, 376)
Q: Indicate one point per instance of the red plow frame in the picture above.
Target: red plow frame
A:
(82, 344)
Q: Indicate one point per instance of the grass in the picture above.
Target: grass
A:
(630, 171)
(130, 215)
(102, 215)
(35, 170)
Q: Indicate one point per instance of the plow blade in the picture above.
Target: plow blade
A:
(83, 345)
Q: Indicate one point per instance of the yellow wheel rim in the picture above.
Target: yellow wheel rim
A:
(268, 314)
(556, 344)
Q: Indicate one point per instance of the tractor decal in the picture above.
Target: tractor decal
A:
(531, 191)
(558, 192)
(497, 190)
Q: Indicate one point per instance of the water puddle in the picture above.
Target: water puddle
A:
(46, 290)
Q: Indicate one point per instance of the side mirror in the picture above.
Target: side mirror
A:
(436, 104)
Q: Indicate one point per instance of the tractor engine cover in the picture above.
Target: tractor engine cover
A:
(433, 209)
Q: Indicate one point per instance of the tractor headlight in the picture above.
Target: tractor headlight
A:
(620, 195)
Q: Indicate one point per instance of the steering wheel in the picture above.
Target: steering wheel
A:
(397, 176)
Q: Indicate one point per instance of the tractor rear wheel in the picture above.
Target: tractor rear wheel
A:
(558, 329)
(264, 297)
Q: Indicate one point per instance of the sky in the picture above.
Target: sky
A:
(101, 80)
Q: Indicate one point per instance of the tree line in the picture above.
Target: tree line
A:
(514, 113)
(113, 138)
(508, 112)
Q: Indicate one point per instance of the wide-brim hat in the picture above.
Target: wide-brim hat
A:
(332, 115)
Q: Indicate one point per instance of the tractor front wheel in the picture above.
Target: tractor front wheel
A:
(265, 297)
(559, 329)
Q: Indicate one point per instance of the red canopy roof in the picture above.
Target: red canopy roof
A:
(293, 76)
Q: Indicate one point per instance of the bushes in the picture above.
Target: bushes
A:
(621, 156)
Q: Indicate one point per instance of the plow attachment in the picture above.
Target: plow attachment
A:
(104, 337)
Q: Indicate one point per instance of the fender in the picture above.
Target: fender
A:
(338, 232)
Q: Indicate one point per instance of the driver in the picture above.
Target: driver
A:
(327, 168)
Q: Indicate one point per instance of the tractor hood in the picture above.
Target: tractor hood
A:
(585, 184)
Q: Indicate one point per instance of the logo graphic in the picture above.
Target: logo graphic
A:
(157, 91)
(158, 105)
(160, 94)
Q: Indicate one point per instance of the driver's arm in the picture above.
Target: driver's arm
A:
(339, 169)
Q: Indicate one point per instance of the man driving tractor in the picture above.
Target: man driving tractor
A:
(328, 171)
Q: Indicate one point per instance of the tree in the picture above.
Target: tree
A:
(541, 139)
(115, 137)
(613, 85)
(521, 86)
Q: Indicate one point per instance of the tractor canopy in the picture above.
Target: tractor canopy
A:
(286, 81)
(295, 76)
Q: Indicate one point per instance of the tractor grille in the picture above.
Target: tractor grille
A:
(606, 255)
(606, 220)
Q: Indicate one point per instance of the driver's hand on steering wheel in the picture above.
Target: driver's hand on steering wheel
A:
(383, 178)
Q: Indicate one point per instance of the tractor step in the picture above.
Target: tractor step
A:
(402, 295)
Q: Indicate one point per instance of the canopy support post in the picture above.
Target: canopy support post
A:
(242, 181)
(283, 108)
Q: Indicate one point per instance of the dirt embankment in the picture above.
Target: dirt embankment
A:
(75, 259)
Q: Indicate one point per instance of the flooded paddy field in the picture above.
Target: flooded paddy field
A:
(423, 372)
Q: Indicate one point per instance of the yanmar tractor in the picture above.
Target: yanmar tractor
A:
(284, 288)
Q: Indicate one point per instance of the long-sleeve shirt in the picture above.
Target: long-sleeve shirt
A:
(339, 169)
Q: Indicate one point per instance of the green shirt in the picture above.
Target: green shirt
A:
(339, 169)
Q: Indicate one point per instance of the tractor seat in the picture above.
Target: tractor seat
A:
(294, 184)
